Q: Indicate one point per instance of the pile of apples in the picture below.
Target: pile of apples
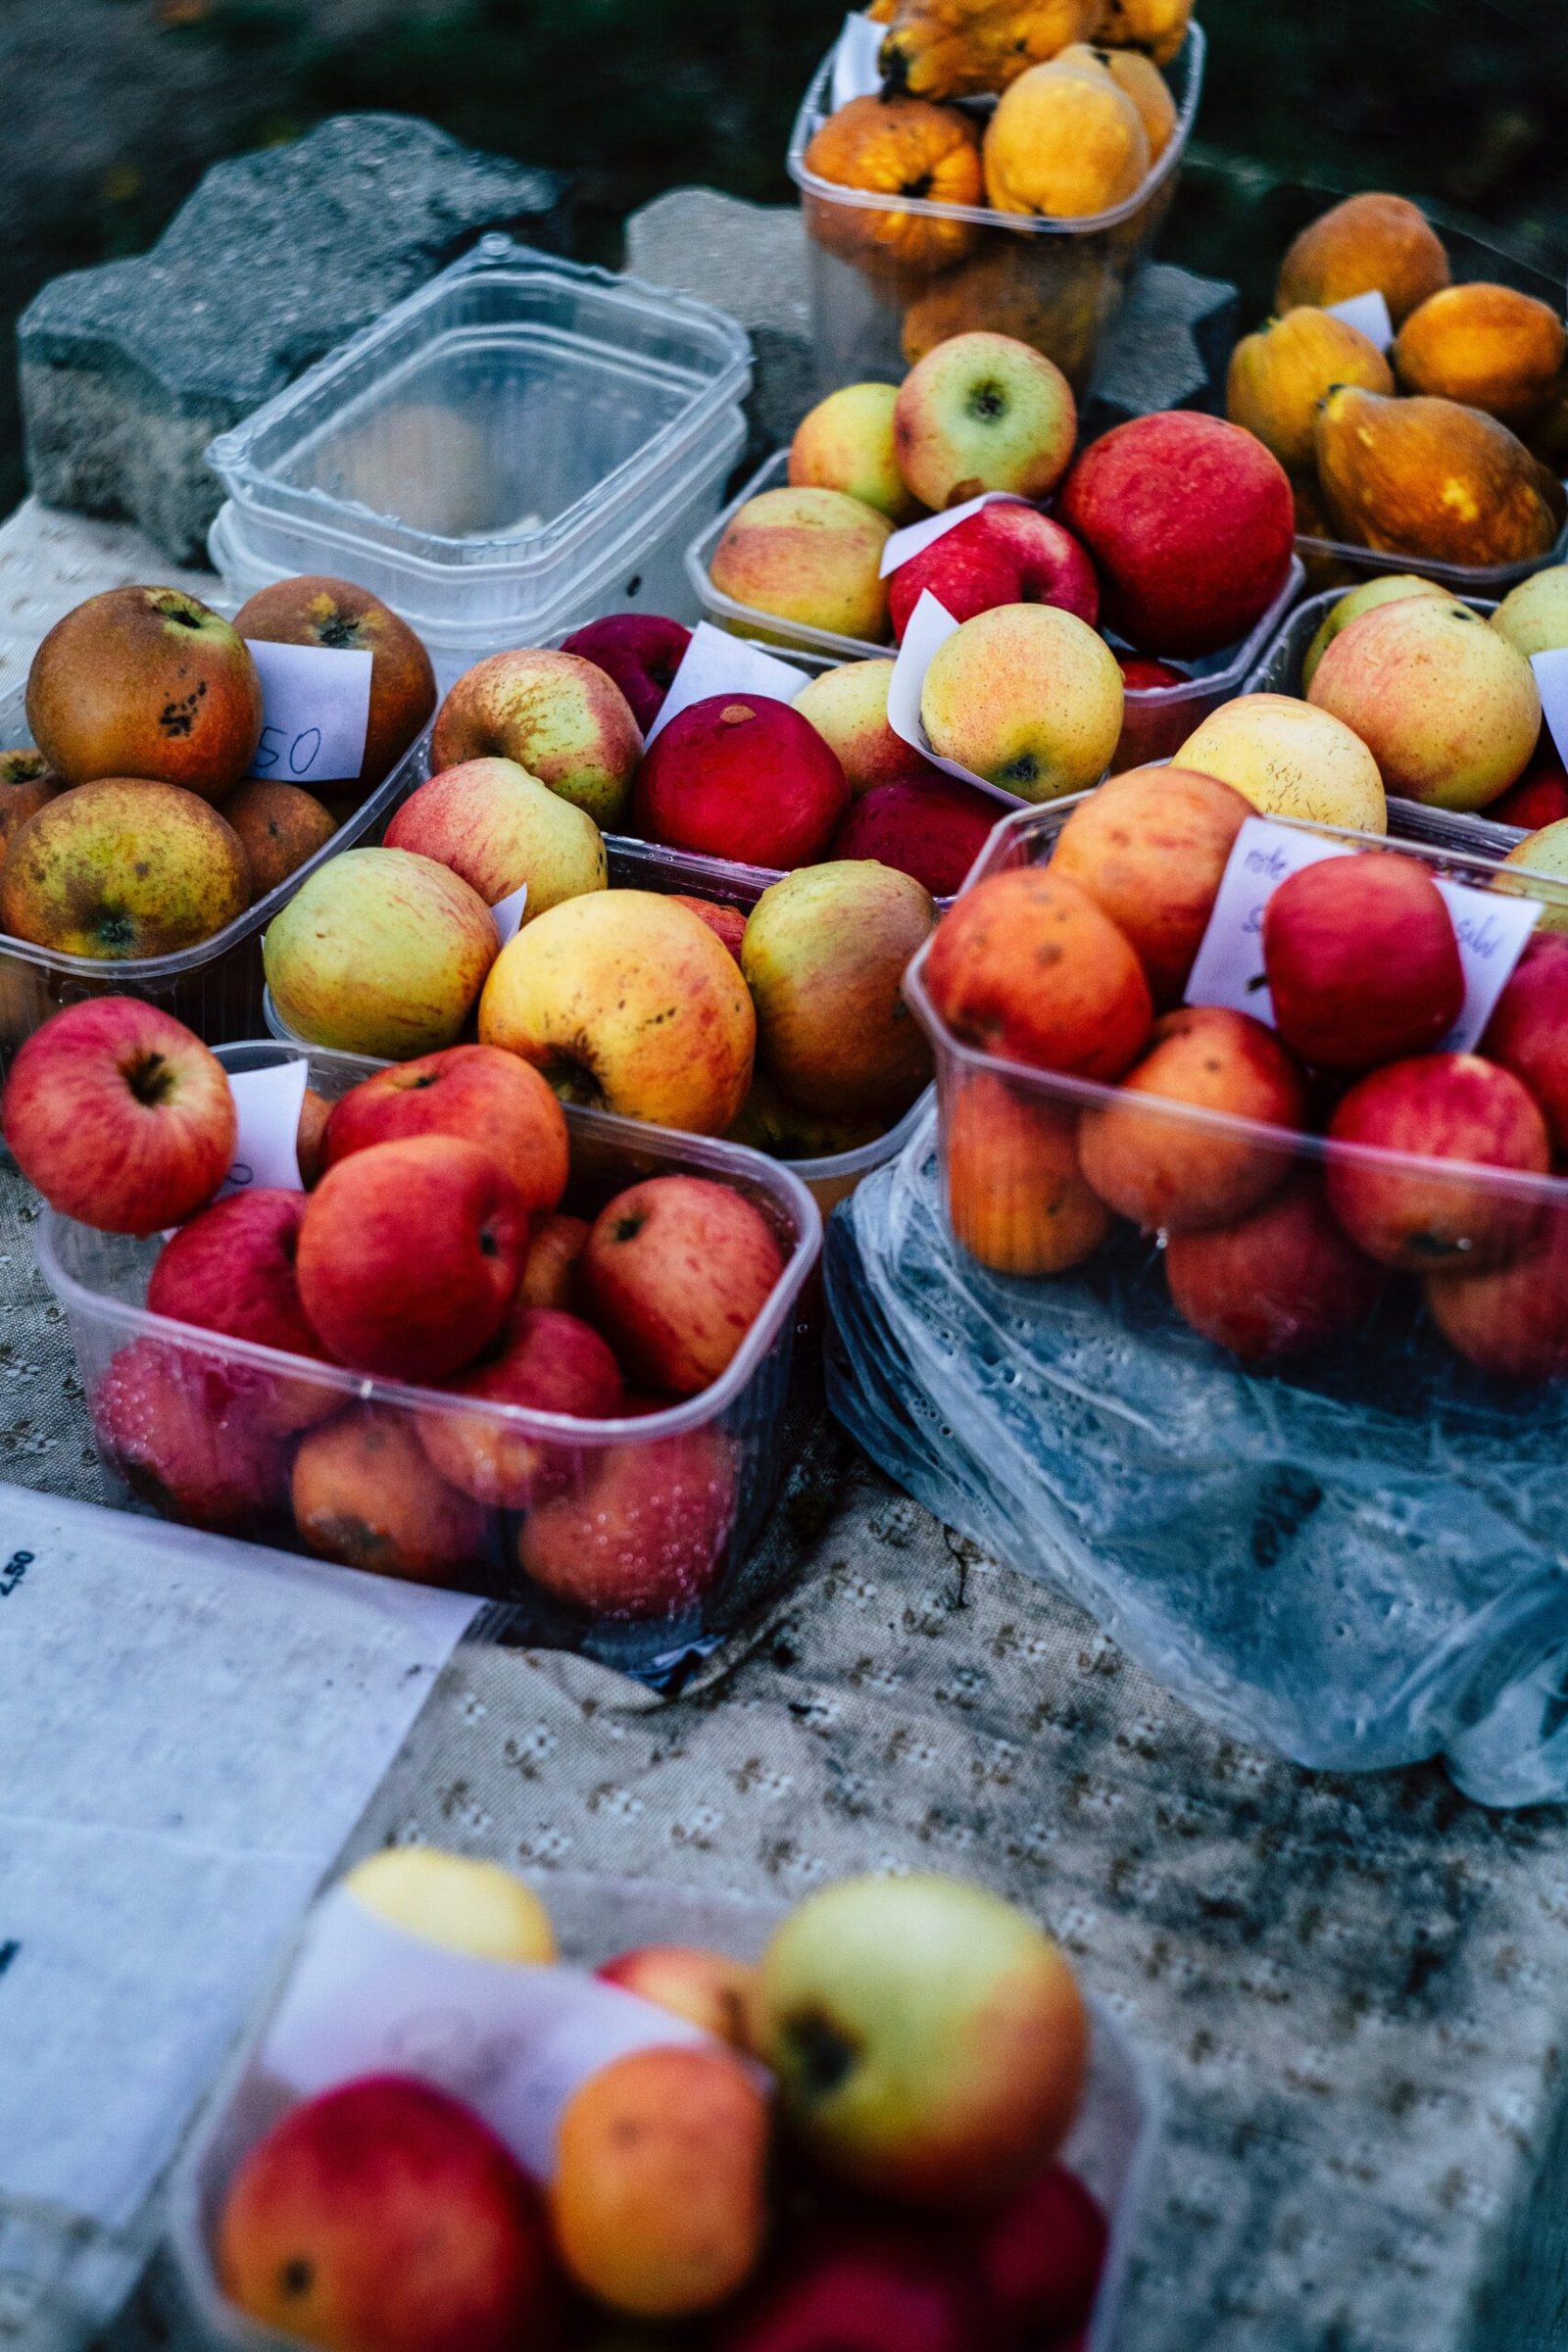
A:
(132, 829)
(1272, 1247)
(852, 2149)
(432, 1247)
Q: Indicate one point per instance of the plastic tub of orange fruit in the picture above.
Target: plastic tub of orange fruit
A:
(632, 1543)
(896, 268)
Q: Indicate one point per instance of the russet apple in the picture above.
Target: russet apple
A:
(1017, 1199)
(486, 1097)
(1151, 846)
(385, 2217)
(676, 1271)
(548, 1362)
(1511, 1320)
(559, 717)
(457, 1901)
(1413, 1210)
(707, 1988)
(1278, 1281)
(928, 2039)
(232, 1269)
(146, 682)
(1027, 697)
(983, 411)
(120, 1115)
(1447, 707)
(640, 650)
(27, 783)
(1173, 1174)
(1290, 759)
(409, 1256)
(743, 778)
(120, 869)
(365, 1494)
(1362, 962)
(849, 708)
(1387, 589)
(172, 1427)
(315, 610)
(499, 827)
(931, 828)
(550, 1269)
(808, 556)
(726, 923)
(1528, 1032)
(1190, 522)
(1005, 554)
(280, 829)
(1027, 966)
(630, 1003)
(648, 1534)
(379, 951)
(846, 443)
(824, 955)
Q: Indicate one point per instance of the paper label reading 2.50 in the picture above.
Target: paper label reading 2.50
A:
(316, 707)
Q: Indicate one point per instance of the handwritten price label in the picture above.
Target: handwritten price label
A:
(316, 705)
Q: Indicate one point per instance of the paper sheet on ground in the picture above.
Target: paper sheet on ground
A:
(716, 662)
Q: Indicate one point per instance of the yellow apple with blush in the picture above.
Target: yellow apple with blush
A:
(846, 443)
(457, 1901)
(807, 555)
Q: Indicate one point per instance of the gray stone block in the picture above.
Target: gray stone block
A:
(128, 370)
(1166, 348)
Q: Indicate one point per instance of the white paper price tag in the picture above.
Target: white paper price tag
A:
(1551, 683)
(315, 707)
(716, 662)
(930, 624)
(507, 913)
(916, 536)
(1369, 312)
(266, 1108)
(855, 71)
(1492, 933)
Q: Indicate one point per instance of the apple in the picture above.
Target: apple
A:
(365, 1494)
(1026, 697)
(866, 2293)
(26, 784)
(647, 1535)
(1140, 675)
(119, 1116)
(120, 869)
(379, 951)
(1017, 1199)
(311, 1134)
(409, 1256)
(314, 610)
(1289, 760)
(928, 2039)
(1541, 796)
(559, 717)
(726, 923)
(1026, 966)
(1005, 554)
(676, 1271)
(385, 2217)
(146, 682)
(499, 827)
(743, 778)
(769, 1121)
(1172, 1174)
(1387, 589)
(848, 705)
(171, 1426)
(808, 556)
(640, 650)
(932, 828)
(1447, 707)
(546, 1362)
(1278, 1281)
(1041, 2257)
(486, 1097)
(1511, 1320)
(983, 411)
(456, 1901)
(1190, 522)
(1151, 847)
(550, 1269)
(232, 1269)
(1415, 1211)
(1544, 854)
(280, 828)
(1534, 615)
(1528, 1032)
(846, 443)
(1362, 962)
(707, 1988)
(825, 956)
(628, 1003)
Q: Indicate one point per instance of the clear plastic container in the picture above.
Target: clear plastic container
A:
(1055, 283)
(1111, 2146)
(213, 986)
(1326, 558)
(694, 1479)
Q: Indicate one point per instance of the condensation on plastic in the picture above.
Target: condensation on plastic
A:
(1111, 2146)
(101, 1281)
(1355, 1560)
(1071, 271)
(213, 986)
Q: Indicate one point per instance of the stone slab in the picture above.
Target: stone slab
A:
(50, 561)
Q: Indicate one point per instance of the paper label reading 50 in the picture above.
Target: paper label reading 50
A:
(315, 707)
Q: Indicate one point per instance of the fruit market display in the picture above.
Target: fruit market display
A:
(1445, 449)
(853, 2142)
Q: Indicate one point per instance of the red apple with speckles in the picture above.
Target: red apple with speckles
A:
(170, 1422)
(676, 1271)
(1528, 1032)
(1277, 1282)
(232, 1269)
(548, 1362)
(1362, 960)
(646, 1534)
(1512, 1320)
(1438, 1108)
(1007, 553)
(478, 1093)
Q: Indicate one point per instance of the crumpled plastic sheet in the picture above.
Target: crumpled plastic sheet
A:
(1355, 1562)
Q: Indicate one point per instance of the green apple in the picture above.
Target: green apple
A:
(453, 1899)
(1387, 590)
(1534, 616)
(983, 411)
(380, 952)
(824, 955)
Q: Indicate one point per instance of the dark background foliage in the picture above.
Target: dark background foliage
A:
(112, 109)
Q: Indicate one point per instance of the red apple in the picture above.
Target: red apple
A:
(478, 1093)
(1512, 1320)
(550, 1269)
(557, 716)
(727, 923)
(744, 777)
(1541, 796)
(880, 2292)
(1028, 967)
(640, 650)
(231, 1269)
(1438, 1109)
(1528, 1032)
(385, 2217)
(119, 1116)
(1041, 2256)
(1151, 847)
(365, 1494)
(172, 1426)
(1362, 960)
(677, 1272)
(1141, 676)
(1190, 521)
(1278, 1281)
(932, 827)
(409, 1256)
(548, 1362)
(1005, 554)
(707, 1989)
(314, 610)
(648, 1534)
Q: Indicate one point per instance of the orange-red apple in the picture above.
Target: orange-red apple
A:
(1277, 1282)
(365, 1494)
(1017, 1199)
(1028, 967)
(647, 1535)
(1511, 1320)
(550, 1269)
(1150, 848)
(1452, 1118)
(707, 1988)
(476, 1092)
(676, 1271)
(546, 1362)
(726, 923)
